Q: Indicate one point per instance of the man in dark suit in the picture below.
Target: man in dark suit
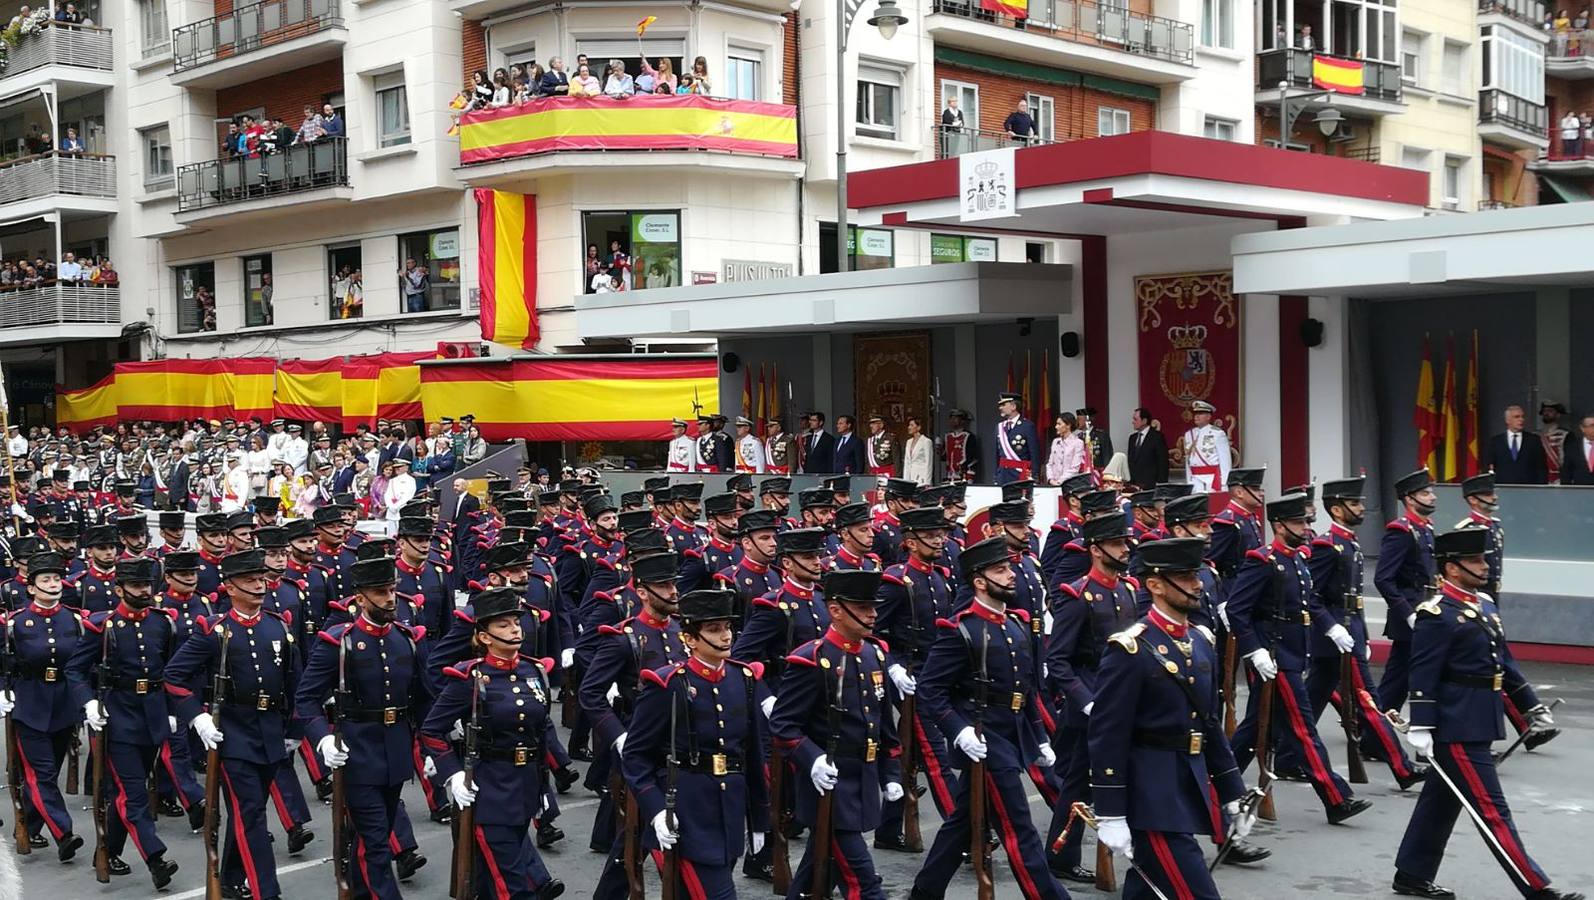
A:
(1577, 457)
(1517, 455)
(819, 447)
(849, 449)
(555, 83)
(177, 490)
(1148, 451)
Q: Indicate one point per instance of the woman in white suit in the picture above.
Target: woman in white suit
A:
(918, 454)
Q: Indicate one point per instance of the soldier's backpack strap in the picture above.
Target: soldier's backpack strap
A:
(1210, 719)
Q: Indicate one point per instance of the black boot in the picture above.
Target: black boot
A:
(565, 778)
(408, 863)
(1540, 737)
(170, 808)
(236, 892)
(116, 866)
(1550, 893)
(758, 871)
(323, 790)
(161, 871)
(298, 838)
(1347, 809)
(1076, 873)
(581, 752)
(1418, 774)
(443, 814)
(549, 834)
(38, 842)
(554, 888)
(895, 842)
(1411, 886)
(67, 846)
(1246, 854)
(196, 817)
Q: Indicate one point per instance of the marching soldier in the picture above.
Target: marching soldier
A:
(133, 532)
(719, 552)
(373, 669)
(267, 511)
(775, 495)
(1066, 527)
(684, 532)
(741, 484)
(1460, 664)
(251, 724)
(422, 583)
(14, 592)
(1190, 517)
(899, 497)
(697, 735)
(40, 639)
(212, 531)
(756, 573)
(1016, 443)
(749, 449)
(780, 449)
(502, 699)
(795, 612)
(1405, 577)
(841, 487)
(1273, 612)
(882, 453)
(1147, 522)
(978, 686)
(817, 508)
(681, 454)
(171, 524)
(120, 665)
(1160, 765)
(1237, 528)
(97, 583)
(1207, 460)
(174, 778)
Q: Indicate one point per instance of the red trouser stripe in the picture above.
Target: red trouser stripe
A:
(940, 790)
(171, 772)
(850, 889)
(1379, 725)
(282, 808)
(1170, 867)
(1304, 736)
(500, 889)
(359, 851)
(1518, 721)
(32, 779)
(311, 764)
(1010, 840)
(237, 822)
(121, 803)
(1038, 775)
(1491, 814)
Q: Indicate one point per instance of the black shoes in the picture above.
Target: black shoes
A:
(892, 842)
(758, 871)
(170, 808)
(1418, 774)
(1076, 874)
(1550, 893)
(1539, 738)
(554, 888)
(236, 892)
(67, 846)
(115, 866)
(1352, 807)
(1294, 774)
(581, 752)
(38, 842)
(323, 790)
(1416, 887)
(196, 817)
(161, 871)
(299, 838)
(549, 834)
(1246, 854)
(565, 778)
(408, 863)
(443, 814)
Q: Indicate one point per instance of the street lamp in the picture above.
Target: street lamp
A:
(1328, 118)
(888, 16)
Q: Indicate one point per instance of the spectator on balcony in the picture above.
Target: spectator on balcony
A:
(1019, 125)
(501, 92)
(594, 265)
(620, 263)
(331, 122)
(598, 283)
(1562, 26)
(1588, 130)
(523, 93)
(952, 117)
(72, 145)
(36, 142)
(1571, 135)
(354, 297)
(69, 14)
(312, 128)
(690, 85)
(70, 271)
(207, 308)
(416, 286)
(555, 83)
(585, 84)
(1307, 41)
(30, 277)
(231, 142)
(46, 270)
(267, 290)
(106, 275)
(618, 84)
(20, 16)
(705, 85)
(663, 76)
(481, 90)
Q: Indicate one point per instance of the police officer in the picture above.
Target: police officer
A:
(1405, 577)
(832, 720)
(978, 687)
(1273, 612)
(373, 670)
(1460, 663)
(854, 546)
(40, 639)
(503, 699)
(174, 777)
(898, 494)
(720, 551)
(251, 724)
(120, 666)
(756, 573)
(700, 715)
(1160, 764)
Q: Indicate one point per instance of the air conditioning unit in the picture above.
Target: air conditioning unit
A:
(459, 350)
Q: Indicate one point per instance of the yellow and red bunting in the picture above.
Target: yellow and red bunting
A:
(680, 122)
(506, 248)
(574, 399)
(87, 407)
(1018, 9)
(1342, 76)
(170, 389)
(310, 390)
(381, 386)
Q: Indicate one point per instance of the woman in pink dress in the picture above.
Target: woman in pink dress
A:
(1067, 457)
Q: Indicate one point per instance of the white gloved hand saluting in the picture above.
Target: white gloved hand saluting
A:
(1421, 741)
(905, 683)
(1242, 824)
(1262, 662)
(94, 714)
(972, 745)
(893, 792)
(1047, 757)
(661, 830)
(1113, 831)
(205, 728)
(334, 755)
(1342, 639)
(823, 774)
(457, 791)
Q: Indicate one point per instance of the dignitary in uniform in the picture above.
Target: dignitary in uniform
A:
(780, 448)
(373, 670)
(1207, 459)
(749, 449)
(1274, 612)
(1460, 664)
(1405, 577)
(503, 698)
(1017, 445)
(882, 453)
(1159, 763)
(681, 454)
(832, 719)
(120, 665)
(978, 687)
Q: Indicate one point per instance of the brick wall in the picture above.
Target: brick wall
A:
(224, 7)
(789, 75)
(285, 94)
(1074, 106)
(1306, 132)
(473, 53)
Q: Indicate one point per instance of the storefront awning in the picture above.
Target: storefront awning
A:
(1567, 191)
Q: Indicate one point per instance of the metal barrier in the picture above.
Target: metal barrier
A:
(1380, 80)
(951, 142)
(61, 44)
(301, 167)
(86, 175)
(61, 304)
(250, 28)
(1111, 26)
(1500, 108)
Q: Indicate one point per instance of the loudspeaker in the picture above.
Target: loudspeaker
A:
(1070, 344)
(730, 362)
(1312, 332)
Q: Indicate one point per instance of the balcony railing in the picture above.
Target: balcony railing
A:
(1496, 107)
(61, 44)
(250, 28)
(953, 142)
(1568, 149)
(1365, 154)
(1485, 205)
(60, 304)
(1083, 22)
(299, 168)
(1380, 80)
(86, 175)
(1572, 44)
(1529, 11)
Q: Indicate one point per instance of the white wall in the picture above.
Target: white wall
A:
(1224, 85)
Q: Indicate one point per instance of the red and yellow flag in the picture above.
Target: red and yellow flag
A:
(165, 390)
(642, 26)
(1425, 417)
(1469, 415)
(310, 389)
(84, 408)
(747, 390)
(763, 403)
(1342, 76)
(1018, 9)
(1448, 454)
(682, 122)
(507, 267)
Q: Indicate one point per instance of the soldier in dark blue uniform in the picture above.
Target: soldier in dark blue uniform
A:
(133, 532)
(1073, 559)
(175, 784)
(854, 540)
(899, 493)
(700, 715)
(1189, 517)
(793, 613)
(741, 484)
(914, 595)
(756, 573)
(1405, 577)
(1237, 528)
(832, 718)
(267, 511)
(1274, 612)
(172, 525)
(1147, 522)
(211, 529)
(978, 686)
(1160, 765)
(97, 583)
(1017, 446)
(504, 697)
(120, 667)
(1066, 527)
(286, 597)
(722, 549)
(373, 670)
(240, 531)
(252, 723)
(422, 583)
(14, 592)
(1460, 664)
(817, 508)
(684, 532)
(40, 639)
(329, 567)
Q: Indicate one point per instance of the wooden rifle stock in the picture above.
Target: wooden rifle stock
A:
(464, 870)
(1264, 750)
(672, 856)
(912, 836)
(212, 814)
(340, 862)
(74, 749)
(979, 849)
(14, 780)
(1106, 878)
(102, 853)
(780, 854)
(629, 827)
(823, 824)
(1231, 650)
(1350, 718)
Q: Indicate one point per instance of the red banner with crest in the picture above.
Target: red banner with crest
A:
(1189, 340)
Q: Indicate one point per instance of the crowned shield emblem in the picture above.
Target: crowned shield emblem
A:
(1186, 372)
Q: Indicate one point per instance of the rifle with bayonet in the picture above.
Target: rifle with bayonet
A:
(1264, 749)
(340, 845)
(1231, 663)
(218, 695)
(780, 858)
(907, 727)
(1350, 718)
(979, 848)
(74, 752)
(14, 766)
(628, 817)
(463, 883)
(819, 858)
(102, 853)
(672, 858)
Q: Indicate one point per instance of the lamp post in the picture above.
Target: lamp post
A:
(1327, 118)
(887, 18)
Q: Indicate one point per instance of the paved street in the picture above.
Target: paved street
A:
(1551, 793)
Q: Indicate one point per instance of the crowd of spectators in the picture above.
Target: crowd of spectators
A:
(524, 83)
(16, 274)
(248, 138)
(608, 273)
(1569, 35)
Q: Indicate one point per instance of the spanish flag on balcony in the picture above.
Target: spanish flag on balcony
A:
(684, 122)
(506, 259)
(166, 390)
(572, 398)
(1018, 9)
(1342, 76)
(310, 390)
(83, 409)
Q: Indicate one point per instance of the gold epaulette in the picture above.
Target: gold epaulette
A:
(1127, 638)
(1431, 607)
(1207, 633)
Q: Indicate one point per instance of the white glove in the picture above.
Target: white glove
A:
(905, 683)
(769, 705)
(1046, 621)
(1421, 740)
(972, 745)
(1088, 707)
(1047, 757)
(1114, 832)
(619, 743)
(1263, 663)
(893, 793)
(661, 830)
(612, 694)
(1541, 716)
(206, 729)
(8, 700)
(94, 714)
(567, 657)
(1367, 651)
(1242, 824)
(1223, 613)
(334, 755)
(171, 724)
(428, 767)
(289, 745)
(758, 842)
(457, 791)
(457, 733)
(1342, 639)
(1411, 621)
(823, 774)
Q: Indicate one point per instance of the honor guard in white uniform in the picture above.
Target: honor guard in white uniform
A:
(1207, 459)
(683, 450)
(749, 449)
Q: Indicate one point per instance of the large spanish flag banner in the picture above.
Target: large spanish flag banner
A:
(169, 389)
(1342, 76)
(84, 408)
(681, 122)
(1018, 9)
(310, 389)
(506, 266)
(559, 399)
(381, 386)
